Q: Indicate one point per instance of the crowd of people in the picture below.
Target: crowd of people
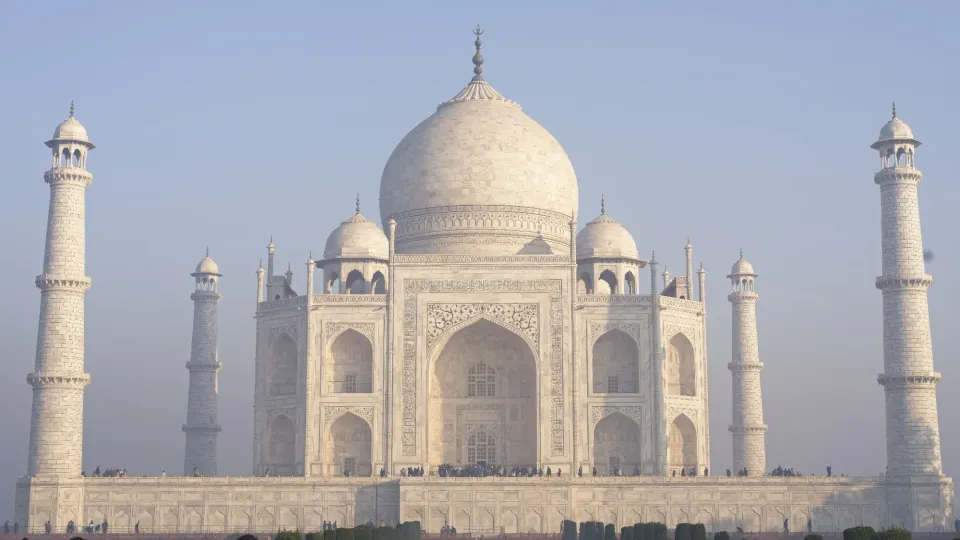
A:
(112, 471)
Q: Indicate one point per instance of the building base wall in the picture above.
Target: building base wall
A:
(509, 505)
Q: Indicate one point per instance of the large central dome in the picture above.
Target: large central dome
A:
(479, 176)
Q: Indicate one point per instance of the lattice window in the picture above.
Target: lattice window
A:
(481, 381)
(481, 447)
(614, 464)
(350, 384)
(349, 465)
(613, 384)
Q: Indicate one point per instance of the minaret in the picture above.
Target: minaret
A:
(58, 379)
(271, 251)
(260, 283)
(202, 428)
(656, 331)
(908, 378)
(688, 251)
(749, 447)
(702, 276)
(666, 277)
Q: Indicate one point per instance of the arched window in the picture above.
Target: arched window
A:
(681, 367)
(76, 158)
(281, 446)
(481, 381)
(378, 284)
(616, 364)
(333, 283)
(586, 284)
(351, 363)
(608, 283)
(355, 283)
(65, 158)
(630, 283)
(682, 445)
(482, 447)
(282, 367)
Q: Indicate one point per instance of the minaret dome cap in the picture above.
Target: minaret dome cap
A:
(742, 268)
(70, 130)
(207, 266)
(895, 130)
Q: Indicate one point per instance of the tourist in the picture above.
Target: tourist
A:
(47, 527)
(136, 527)
(163, 473)
(6, 527)
(104, 527)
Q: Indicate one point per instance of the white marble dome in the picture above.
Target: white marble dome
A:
(207, 266)
(357, 238)
(475, 174)
(742, 268)
(895, 129)
(604, 237)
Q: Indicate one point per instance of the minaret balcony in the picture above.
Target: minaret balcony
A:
(902, 380)
(892, 175)
(39, 380)
(904, 281)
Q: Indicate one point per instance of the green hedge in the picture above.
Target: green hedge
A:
(288, 535)
(569, 530)
(699, 531)
(724, 535)
(894, 533)
(344, 533)
(860, 532)
(315, 535)
(684, 531)
(610, 532)
(329, 534)
(813, 537)
(626, 533)
(362, 532)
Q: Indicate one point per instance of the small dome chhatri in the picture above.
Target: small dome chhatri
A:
(207, 266)
(895, 129)
(604, 237)
(742, 267)
(71, 130)
(357, 238)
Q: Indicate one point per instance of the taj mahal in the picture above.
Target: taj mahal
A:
(481, 326)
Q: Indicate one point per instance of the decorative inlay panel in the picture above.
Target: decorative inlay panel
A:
(331, 413)
(287, 411)
(675, 410)
(291, 330)
(414, 287)
(524, 318)
(331, 329)
(630, 328)
(633, 413)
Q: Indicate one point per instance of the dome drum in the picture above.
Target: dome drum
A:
(483, 229)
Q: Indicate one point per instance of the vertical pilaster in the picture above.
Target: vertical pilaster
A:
(656, 332)
(308, 391)
(574, 358)
(388, 390)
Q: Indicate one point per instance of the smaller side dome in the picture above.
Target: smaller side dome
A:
(357, 237)
(604, 237)
(207, 266)
(742, 268)
(895, 129)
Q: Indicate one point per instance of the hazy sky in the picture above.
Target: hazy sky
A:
(219, 123)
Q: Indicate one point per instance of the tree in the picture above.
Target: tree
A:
(860, 532)
(724, 535)
(362, 532)
(610, 532)
(569, 530)
(699, 531)
(626, 533)
(684, 531)
(288, 535)
(329, 534)
(894, 533)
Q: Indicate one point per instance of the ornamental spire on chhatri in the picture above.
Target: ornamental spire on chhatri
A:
(478, 89)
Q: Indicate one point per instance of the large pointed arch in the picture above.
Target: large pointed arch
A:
(615, 363)
(350, 363)
(616, 444)
(681, 367)
(682, 445)
(280, 453)
(281, 368)
(349, 446)
(507, 408)
(440, 341)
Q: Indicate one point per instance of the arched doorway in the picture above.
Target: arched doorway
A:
(616, 445)
(350, 364)
(483, 399)
(616, 364)
(681, 367)
(282, 367)
(348, 448)
(280, 454)
(683, 445)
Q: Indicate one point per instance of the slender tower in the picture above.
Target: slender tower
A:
(58, 379)
(688, 251)
(202, 428)
(908, 378)
(749, 447)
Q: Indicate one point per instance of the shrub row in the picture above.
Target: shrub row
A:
(409, 530)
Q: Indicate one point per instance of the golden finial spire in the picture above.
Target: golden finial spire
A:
(72, 107)
(603, 205)
(208, 251)
(894, 110)
(741, 254)
(358, 204)
(478, 58)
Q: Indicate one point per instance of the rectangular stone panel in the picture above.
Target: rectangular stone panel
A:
(486, 496)
(510, 496)
(462, 496)
(439, 496)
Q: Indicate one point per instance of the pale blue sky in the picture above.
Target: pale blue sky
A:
(745, 124)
